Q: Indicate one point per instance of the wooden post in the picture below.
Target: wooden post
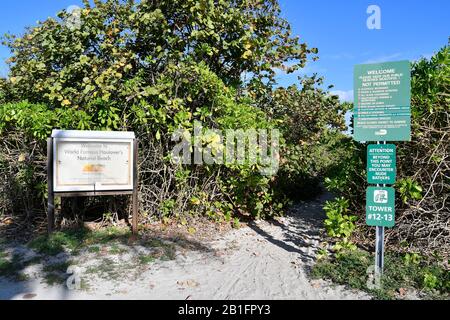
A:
(135, 201)
(51, 195)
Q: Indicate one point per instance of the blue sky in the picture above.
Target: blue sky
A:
(410, 29)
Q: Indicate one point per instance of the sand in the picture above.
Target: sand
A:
(263, 260)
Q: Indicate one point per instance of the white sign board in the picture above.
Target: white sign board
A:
(92, 161)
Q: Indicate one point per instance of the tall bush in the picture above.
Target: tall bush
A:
(423, 165)
(154, 67)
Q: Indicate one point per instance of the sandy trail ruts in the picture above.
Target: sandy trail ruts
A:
(264, 260)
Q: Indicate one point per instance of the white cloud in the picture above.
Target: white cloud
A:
(339, 56)
(427, 56)
(307, 70)
(344, 96)
(384, 58)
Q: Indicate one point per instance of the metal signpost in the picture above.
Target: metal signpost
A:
(382, 112)
(91, 163)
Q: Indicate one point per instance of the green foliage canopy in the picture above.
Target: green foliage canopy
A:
(120, 49)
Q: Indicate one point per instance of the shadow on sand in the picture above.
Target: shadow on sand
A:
(302, 234)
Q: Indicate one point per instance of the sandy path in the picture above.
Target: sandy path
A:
(260, 261)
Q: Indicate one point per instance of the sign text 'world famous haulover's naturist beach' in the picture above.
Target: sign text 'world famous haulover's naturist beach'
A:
(91, 163)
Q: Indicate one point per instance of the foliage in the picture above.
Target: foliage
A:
(121, 47)
(11, 267)
(347, 176)
(429, 276)
(73, 240)
(409, 189)
(339, 223)
(426, 159)
(312, 122)
(154, 68)
(37, 120)
(236, 223)
(412, 258)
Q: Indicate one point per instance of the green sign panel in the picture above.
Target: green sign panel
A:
(382, 102)
(380, 207)
(381, 164)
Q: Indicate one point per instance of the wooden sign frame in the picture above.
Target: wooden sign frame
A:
(52, 194)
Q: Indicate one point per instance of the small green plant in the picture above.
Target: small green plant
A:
(322, 254)
(106, 268)
(412, 258)
(339, 223)
(116, 249)
(12, 267)
(57, 267)
(73, 240)
(167, 207)
(94, 249)
(6, 266)
(166, 250)
(146, 259)
(343, 246)
(409, 190)
(353, 268)
(192, 230)
(236, 223)
(430, 281)
(349, 267)
(55, 243)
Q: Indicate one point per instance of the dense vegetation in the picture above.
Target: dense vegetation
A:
(155, 67)
(408, 276)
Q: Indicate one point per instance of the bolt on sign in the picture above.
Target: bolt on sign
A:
(380, 207)
(382, 95)
(381, 164)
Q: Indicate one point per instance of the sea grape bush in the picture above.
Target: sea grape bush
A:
(340, 223)
(155, 68)
(409, 189)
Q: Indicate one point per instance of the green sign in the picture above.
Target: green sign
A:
(382, 102)
(380, 207)
(381, 163)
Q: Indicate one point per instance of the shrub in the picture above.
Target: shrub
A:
(154, 68)
(339, 223)
(312, 122)
(353, 268)
(409, 189)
